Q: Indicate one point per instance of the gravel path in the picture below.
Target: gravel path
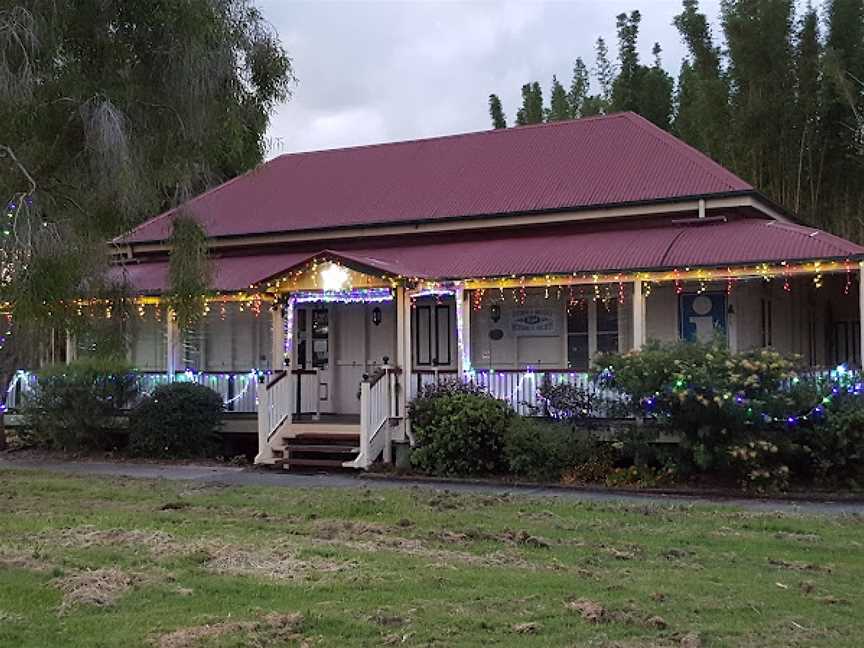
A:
(238, 476)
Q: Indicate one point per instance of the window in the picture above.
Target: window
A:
(432, 340)
(577, 337)
(607, 327)
(843, 344)
(320, 337)
(766, 324)
(600, 316)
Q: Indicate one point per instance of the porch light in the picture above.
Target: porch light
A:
(334, 277)
(376, 315)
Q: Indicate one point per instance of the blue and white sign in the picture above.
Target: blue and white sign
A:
(535, 322)
(702, 316)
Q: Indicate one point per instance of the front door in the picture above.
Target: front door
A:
(364, 335)
(343, 342)
(314, 351)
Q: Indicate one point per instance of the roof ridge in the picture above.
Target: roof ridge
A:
(694, 155)
(436, 138)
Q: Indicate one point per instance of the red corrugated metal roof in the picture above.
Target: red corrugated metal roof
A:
(547, 251)
(574, 249)
(591, 162)
(230, 274)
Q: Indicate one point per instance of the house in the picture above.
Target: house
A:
(346, 279)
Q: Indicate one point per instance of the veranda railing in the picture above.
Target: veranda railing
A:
(237, 389)
(377, 410)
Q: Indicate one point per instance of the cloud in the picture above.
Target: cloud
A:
(372, 72)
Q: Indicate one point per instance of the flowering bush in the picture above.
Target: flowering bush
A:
(640, 476)
(714, 398)
(760, 466)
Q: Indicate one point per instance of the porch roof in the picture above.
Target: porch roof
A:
(230, 273)
(559, 250)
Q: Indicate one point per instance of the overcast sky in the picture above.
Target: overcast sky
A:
(382, 71)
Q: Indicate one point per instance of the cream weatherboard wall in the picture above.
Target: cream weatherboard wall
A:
(518, 348)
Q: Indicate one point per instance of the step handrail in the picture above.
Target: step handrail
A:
(377, 408)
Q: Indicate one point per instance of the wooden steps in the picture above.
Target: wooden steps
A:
(329, 446)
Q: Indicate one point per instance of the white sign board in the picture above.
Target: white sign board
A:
(536, 322)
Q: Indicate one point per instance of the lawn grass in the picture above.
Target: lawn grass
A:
(117, 562)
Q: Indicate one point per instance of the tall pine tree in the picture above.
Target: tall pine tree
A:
(531, 111)
(559, 103)
(580, 86)
(496, 112)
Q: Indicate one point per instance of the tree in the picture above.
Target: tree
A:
(496, 112)
(654, 100)
(112, 111)
(579, 88)
(759, 39)
(604, 72)
(702, 116)
(626, 87)
(781, 107)
(123, 108)
(843, 71)
(808, 126)
(531, 111)
(559, 103)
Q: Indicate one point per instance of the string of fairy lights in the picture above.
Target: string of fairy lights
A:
(326, 280)
(839, 382)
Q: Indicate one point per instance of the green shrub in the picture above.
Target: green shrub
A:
(563, 401)
(713, 398)
(640, 476)
(75, 406)
(594, 469)
(543, 450)
(177, 420)
(458, 430)
(832, 448)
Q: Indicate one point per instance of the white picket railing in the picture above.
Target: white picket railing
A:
(377, 408)
(236, 389)
(520, 388)
(275, 404)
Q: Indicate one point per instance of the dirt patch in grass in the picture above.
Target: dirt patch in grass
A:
(443, 557)
(29, 560)
(507, 537)
(593, 612)
(269, 629)
(798, 537)
(371, 537)
(794, 565)
(100, 587)
(283, 565)
(89, 536)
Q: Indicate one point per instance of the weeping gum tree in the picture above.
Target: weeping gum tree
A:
(111, 112)
(189, 275)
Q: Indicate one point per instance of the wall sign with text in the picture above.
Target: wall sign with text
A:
(534, 322)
